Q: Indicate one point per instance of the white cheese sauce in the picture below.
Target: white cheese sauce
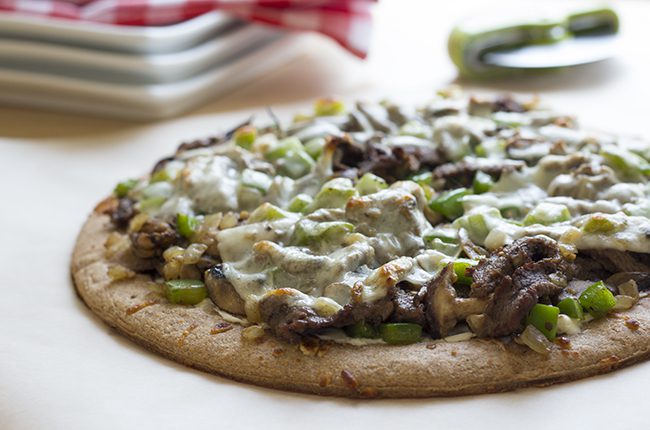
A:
(564, 177)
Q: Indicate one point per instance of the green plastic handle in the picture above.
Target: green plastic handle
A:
(471, 40)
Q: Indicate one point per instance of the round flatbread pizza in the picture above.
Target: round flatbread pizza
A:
(471, 245)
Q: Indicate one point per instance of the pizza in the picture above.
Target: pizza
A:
(470, 245)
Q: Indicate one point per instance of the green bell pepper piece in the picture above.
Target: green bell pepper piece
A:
(510, 212)
(424, 178)
(599, 224)
(482, 183)
(571, 307)
(415, 129)
(308, 232)
(460, 268)
(123, 188)
(477, 224)
(296, 164)
(185, 291)
(362, 329)
(300, 203)
(159, 176)
(266, 212)
(547, 213)
(369, 184)
(258, 180)
(245, 136)
(451, 249)
(328, 107)
(152, 203)
(334, 194)
(544, 318)
(283, 147)
(597, 299)
(186, 225)
(400, 333)
(629, 164)
(449, 203)
(314, 147)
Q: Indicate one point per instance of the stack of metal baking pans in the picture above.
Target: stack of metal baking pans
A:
(131, 72)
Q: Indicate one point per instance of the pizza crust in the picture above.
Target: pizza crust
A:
(137, 309)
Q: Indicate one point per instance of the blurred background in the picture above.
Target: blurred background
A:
(70, 75)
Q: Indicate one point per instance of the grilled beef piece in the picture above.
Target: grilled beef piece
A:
(614, 266)
(519, 275)
(292, 322)
(615, 261)
(461, 174)
(392, 163)
(153, 238)
(589, 269)
(200, 143)
(490, 272)
(408, 307)
(123, 212)
(519, 292)
(484, 107)
(506, 103)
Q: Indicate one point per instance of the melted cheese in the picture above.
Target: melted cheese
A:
(386, 241)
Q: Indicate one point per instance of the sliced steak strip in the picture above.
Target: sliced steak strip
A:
(408, 307)
(492, 271)
(392, 163)
(292, 322)
(517, 295)
(461, 174)
(517, 276)
(618, 261)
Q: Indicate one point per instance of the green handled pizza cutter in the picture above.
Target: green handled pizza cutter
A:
(486, 47)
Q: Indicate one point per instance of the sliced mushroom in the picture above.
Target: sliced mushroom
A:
(222, 292)
(442, 306)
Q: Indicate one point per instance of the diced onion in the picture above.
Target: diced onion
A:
(193, 253)
(172, 253)
(460, 337)
(119, 273)
(629, 288)
(229, 220)
(116, 243)
(535, 340)
(624, 303)
(137, 222)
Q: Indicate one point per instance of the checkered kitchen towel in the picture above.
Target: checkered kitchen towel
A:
(346, 21)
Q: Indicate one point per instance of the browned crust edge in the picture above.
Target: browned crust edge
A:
(182, 334)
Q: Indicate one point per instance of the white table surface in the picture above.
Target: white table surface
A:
(61, 368)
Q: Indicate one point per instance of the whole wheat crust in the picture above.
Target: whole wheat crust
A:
(136, 307)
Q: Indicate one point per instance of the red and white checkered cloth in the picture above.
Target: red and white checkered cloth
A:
(346, 21)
